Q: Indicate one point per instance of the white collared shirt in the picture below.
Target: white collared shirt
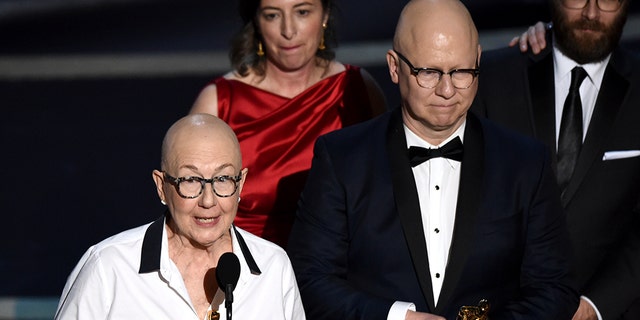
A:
(117, 279)
(589, 88)
(437, 182)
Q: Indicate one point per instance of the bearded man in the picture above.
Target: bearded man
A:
(580, 96)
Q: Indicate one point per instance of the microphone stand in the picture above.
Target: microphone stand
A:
(228, 300)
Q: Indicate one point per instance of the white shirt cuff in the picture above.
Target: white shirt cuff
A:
(593, 306)
(399, 310)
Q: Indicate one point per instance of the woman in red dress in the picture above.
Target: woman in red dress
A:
(286, 89)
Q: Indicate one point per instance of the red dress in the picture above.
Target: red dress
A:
(276, 137)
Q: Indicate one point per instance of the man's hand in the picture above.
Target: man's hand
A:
(412, 315)
(585, 312)
(534, 37)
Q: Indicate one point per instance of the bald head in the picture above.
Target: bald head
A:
(198, 134)
(440, 35)
(424, 23)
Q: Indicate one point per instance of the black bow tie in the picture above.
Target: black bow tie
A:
(451, 150)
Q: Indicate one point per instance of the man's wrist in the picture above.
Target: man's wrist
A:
(593, 305)
(399, 310)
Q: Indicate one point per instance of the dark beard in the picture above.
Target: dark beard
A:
(587, 48)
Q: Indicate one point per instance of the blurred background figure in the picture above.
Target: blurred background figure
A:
(286, 89)
(577, 91)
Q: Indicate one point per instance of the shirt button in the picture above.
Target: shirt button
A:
(437, 230)
(437, 187)
(437, 275)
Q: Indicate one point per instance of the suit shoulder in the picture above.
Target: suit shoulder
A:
(358, 133)
(626, 62)
(519, 145)
(510, 58)
(506, 55)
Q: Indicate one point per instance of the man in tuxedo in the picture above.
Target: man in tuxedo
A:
(470, 211)
(599, 169)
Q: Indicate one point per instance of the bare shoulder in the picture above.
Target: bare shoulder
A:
(232, 75)
(334, 68)
(207, 101)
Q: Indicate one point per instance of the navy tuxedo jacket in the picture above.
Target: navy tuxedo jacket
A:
(358, 245)
(602, 200)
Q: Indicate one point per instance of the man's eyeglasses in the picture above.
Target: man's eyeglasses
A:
(192, 187)
(430, 77)
(603, 5)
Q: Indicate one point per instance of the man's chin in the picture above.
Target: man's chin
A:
(588, 36)
(588, 40)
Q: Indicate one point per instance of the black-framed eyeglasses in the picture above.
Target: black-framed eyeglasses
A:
(603, 5)
(192, 187)
(430, 77)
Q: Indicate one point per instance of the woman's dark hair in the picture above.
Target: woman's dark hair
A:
(244, 44)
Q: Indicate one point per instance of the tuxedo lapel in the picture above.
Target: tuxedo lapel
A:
(469, 198)
(542, 93)
(407, 202)
(610, 98)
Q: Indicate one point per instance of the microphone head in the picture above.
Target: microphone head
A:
(228, 271)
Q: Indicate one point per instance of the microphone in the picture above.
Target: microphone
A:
(227, 275)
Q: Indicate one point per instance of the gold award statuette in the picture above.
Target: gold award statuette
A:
(212, 315)
(480, 312)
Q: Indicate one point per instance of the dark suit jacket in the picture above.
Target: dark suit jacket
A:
(357, 244)
(602, 199)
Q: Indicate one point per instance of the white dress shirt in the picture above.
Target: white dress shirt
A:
(589, 88)
(130, 276)
(437, 182)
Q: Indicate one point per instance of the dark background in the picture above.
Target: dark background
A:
(77, 152)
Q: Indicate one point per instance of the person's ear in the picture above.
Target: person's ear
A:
(244, 178)
(158, 178)
(392, 62)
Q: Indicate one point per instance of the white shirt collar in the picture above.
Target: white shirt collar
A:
(563, 66)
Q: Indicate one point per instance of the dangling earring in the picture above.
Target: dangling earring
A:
(322, 46)
(260, 53)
